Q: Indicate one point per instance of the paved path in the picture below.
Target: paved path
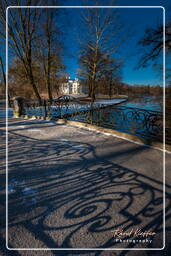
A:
(70, 187)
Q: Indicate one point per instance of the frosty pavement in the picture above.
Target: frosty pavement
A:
(71, 188)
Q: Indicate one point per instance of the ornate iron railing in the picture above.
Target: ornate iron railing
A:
(141, 122)
(136, 121)
(55, 109)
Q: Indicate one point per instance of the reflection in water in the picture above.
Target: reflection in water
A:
(147, 102)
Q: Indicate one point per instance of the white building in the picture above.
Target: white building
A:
(71, 87)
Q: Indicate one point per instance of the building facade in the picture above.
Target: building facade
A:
(71, 87)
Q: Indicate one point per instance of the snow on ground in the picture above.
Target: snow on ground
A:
(109, 102)
(3, 113)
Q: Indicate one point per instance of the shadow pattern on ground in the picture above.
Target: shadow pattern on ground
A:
(65, 196)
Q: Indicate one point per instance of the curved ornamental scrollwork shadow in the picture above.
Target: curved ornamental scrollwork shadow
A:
(79, 202)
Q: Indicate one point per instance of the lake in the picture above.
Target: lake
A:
(154, 103)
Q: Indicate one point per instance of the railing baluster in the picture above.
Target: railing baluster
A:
(45, 109)
(141, 122)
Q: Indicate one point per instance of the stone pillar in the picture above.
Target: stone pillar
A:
(18, 106)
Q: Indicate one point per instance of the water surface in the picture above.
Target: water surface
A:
(147, 102)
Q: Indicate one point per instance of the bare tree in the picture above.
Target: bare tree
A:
(98, 46)
(3, 73)
(153, 43)
(49, 49)
(4, 80)
(22, 31)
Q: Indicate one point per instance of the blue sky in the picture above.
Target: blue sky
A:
(133, 20)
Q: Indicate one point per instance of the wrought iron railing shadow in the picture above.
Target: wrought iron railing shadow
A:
(144, 123)
(65, 193)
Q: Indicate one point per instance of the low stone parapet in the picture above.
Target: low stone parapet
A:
(18, 106)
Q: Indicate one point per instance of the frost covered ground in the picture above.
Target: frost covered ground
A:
(70, 188)
(109, 102)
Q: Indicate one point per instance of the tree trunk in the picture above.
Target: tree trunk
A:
(32, 82)
(110, 88)
(93, 92)
(48, 82)
(30, 72)
(4, 78)
(89, 88)
(49, 90)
